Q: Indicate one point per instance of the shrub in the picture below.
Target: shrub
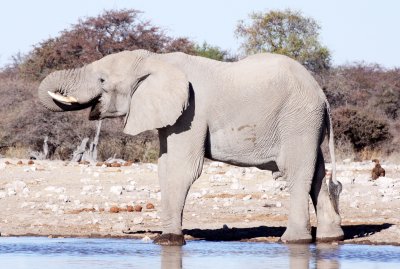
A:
(363, 129)
(389, 102)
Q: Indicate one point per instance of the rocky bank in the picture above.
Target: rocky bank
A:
(55, 198)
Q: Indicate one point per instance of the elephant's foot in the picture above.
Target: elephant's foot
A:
(296, 237)
(170, 240)
(329, 233)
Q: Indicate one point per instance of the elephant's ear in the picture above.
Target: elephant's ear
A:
(159, 100)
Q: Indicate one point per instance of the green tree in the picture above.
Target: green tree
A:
(212, 52)
(285, 32)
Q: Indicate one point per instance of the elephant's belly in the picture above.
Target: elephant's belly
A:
(242, 146)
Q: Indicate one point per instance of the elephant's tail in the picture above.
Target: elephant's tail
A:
(334, 187)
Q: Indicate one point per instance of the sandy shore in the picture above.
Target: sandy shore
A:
(55, 198)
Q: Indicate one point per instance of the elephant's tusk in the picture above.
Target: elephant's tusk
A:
(63, 99)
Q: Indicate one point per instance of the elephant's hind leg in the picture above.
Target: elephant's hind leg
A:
(328, 221)
(298, 170)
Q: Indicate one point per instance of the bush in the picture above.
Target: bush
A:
(363, 129)
(388, 101)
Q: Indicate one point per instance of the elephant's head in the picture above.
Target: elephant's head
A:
(150, 92)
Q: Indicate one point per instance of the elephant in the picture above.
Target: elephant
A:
(265, 111)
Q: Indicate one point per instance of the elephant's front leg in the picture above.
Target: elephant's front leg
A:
(179, 166)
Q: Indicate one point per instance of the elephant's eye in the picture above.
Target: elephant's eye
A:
(101, 80)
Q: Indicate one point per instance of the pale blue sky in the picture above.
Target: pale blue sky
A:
(354, 30)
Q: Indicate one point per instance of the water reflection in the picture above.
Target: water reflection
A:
(320, 256)
(171, 257)
(301, 256)
(69, 253)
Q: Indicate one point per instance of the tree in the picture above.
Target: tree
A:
(212, 52)
(285, 32)
(95, 37)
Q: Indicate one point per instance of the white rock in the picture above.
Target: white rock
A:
(247, 197)
(16, 185)
(235, 172)
(2, 166)
(227, 203)
(54, 208)
(2, 194)
(152, 215)
(86, 180)
(132, 182)
(50, 188)
(217, 164)
(211, 170)
(146, 239)
(279, 186)
(25, 191)
(354, 204)
(216, 178)
(195, 195)
(130, 188)
(88, 188)
(347, 161)
(64, 198)
(249, 176)
(120, 227)
(264, 196)
(152, 167)
(278, 204)
(137, 220)
(236, 186)
(117, 190)
(24, 204)
(11, 192)
(60, 190)
(156, 196)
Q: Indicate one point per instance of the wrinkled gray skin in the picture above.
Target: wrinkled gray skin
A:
(264, 111)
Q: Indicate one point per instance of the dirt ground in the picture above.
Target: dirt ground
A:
(55, 198)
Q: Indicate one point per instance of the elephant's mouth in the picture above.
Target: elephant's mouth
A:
(95, 111)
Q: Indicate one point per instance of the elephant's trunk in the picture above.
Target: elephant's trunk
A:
(67, 90)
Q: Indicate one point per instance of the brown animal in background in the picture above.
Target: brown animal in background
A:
(377, 171)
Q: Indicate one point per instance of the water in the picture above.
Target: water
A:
(45, 253)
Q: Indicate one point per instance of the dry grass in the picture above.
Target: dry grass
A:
(19, 152)
(393, 157)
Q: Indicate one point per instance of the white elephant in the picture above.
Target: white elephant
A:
(265, 111)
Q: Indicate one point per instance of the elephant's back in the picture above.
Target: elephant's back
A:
(272, 76)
